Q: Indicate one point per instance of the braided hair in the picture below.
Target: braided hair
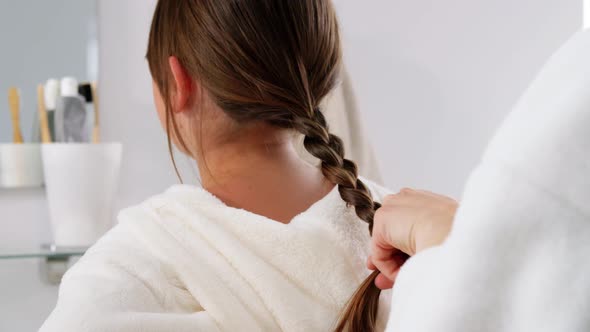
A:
(270, 61)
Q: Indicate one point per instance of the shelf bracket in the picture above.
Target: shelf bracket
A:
(53, 268)
(57, 262)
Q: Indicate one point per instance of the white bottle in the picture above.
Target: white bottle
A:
(70, 114)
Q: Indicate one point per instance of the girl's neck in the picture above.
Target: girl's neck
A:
(263, 176)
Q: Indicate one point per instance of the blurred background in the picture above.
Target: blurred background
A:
(433, 80)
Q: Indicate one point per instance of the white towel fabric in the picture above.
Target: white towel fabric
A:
(184, 261)
(518, 257)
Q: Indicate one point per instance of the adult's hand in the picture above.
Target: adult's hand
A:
(407, 223)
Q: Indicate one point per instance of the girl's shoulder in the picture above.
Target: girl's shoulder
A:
(131, 250)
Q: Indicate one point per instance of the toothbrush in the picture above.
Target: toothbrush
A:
(51, 93)
(43, 121)
(96, 129)
(14, 102)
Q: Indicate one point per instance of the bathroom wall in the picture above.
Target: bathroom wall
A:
(433, 78)
(32, 39)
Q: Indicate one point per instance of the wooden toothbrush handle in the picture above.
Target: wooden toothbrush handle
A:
(17, 136)
(96, 129)
(43, 121)
(14, 103)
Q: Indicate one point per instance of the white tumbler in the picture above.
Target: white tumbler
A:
(81, 181)
(20, 166)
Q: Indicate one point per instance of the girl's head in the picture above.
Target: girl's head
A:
(257, 61)
(243, 62)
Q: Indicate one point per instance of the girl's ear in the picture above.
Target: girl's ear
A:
(184, 91)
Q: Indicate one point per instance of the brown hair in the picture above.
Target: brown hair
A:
(270, 61)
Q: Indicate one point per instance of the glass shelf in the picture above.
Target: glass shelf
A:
(45, 251)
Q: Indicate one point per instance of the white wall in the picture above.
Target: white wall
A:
(42, 39)
(434, 78)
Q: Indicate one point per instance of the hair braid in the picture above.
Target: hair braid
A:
(361, 312)
(329, 149)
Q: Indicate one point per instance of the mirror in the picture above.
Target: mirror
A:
(41, 40)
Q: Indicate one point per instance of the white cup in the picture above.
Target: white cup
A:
(81, 181)
(20, 166)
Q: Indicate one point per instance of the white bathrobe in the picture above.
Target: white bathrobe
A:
(518, 257)
(184, 261)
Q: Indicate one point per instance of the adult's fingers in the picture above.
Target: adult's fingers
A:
(387, 260)
(382, 282)
(370, 264)
(393, 227)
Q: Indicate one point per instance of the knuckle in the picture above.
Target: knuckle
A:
(405, 191)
